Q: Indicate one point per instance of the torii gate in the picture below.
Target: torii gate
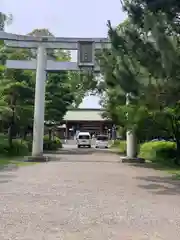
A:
(86, 59)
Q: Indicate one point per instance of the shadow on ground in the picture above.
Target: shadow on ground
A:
(8, 169)
(82, 161)
(6, 174)
(173, 170)
(160, 185)
(5, 178)
(80, 151)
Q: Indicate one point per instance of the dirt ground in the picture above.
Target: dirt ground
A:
(90, 196)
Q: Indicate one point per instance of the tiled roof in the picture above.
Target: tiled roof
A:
(84, 115)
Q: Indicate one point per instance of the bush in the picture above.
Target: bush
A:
(4, 146)
(160, 151)
(19, 148)
(53, 144)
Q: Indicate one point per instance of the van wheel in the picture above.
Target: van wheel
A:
(89, 146)
(78, 146)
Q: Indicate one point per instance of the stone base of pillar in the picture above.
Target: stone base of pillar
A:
(132, 160)
(38, 159)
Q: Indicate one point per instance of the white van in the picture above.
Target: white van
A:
(101, 141)
(83, 139)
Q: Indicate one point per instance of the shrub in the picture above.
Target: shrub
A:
(58, 142)
(53, 144)
(159, 151)
(4, 146)
(19, 148)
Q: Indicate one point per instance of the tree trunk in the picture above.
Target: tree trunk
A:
(10, 136)
(11, 129)
(12, 122)
(25, 132)
(50, 134)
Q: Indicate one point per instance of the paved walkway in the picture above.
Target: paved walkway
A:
(90, 196)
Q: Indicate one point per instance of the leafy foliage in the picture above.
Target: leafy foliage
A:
(53, 144)
(19, 147)
(159, 151)
(145, 61)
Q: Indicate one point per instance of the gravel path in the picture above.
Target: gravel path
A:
(98, 199)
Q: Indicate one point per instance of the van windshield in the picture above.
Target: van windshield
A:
(102, 138)
(84, 137)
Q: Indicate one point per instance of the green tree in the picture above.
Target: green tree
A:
(4, 19)
(144, 60)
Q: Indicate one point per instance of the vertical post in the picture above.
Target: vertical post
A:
(131, 148)
(39, 103)
(66, 134)
(101, 128)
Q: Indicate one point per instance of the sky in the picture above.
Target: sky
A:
(65, 18)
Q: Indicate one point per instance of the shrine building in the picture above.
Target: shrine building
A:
(84, 120)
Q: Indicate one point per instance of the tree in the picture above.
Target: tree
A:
(59, 96)
(138, 10)
(144, 60)
(4, 19)
(17, 89)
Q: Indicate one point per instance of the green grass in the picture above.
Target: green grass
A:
(175, 172)
(119, 146)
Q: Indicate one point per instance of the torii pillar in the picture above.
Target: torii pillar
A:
(39, 102)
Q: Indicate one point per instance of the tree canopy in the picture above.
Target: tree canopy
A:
(144, 60)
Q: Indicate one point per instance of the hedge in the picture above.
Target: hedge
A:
(48, 145)
(23, 148)
(53, 144)
(160, 151)
(19, 147)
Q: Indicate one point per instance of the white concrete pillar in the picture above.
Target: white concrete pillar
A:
(39, 103)
(131, 143)
(67, 131)
(131, 148)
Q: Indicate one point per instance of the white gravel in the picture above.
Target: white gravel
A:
(97, 199)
